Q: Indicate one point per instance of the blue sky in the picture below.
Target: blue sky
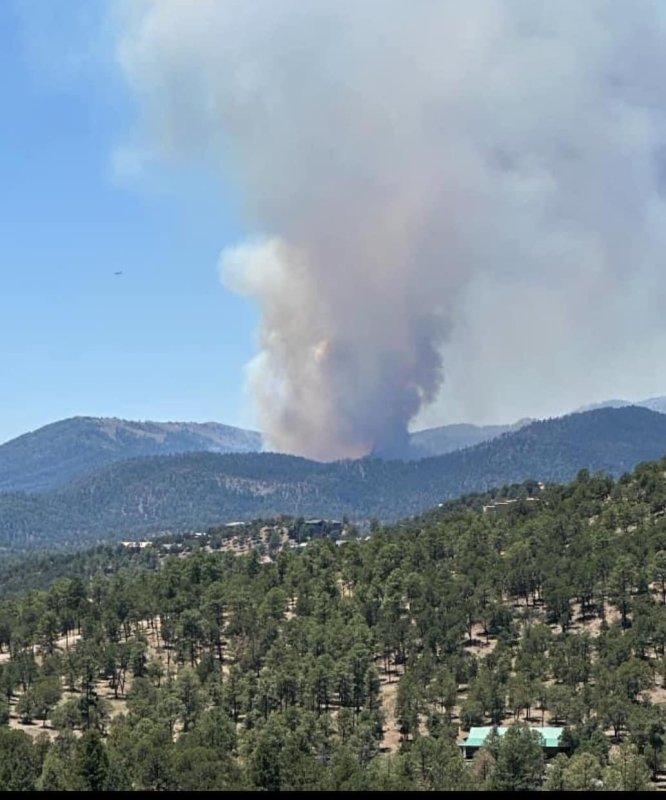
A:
(165, 340)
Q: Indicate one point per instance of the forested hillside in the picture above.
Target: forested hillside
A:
(57, 453)
(354, 666)
(188, 491)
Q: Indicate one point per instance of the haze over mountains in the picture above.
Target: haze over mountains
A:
(187, 491)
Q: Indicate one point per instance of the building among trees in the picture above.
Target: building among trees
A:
(478, 736)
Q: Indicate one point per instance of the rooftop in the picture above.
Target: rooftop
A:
(477, 736)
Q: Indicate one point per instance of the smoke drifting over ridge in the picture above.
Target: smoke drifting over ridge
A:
(406, 165)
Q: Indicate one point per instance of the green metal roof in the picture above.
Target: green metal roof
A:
(477, 736)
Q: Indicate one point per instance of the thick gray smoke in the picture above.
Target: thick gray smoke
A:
(424, 178)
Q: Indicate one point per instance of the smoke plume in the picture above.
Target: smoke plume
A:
(479, 181)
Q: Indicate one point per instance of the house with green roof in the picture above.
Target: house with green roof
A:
(477, 737)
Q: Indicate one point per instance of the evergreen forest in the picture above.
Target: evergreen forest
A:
(324, 660)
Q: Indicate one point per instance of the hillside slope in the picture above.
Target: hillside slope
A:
(55, 454)
(193, 490)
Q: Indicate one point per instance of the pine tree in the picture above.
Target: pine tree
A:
(92, 761)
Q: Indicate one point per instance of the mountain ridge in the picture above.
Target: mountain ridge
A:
(187, 491)
(57, 453)
(455, 436)
(656, 403)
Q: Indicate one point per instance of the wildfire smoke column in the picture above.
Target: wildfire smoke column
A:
(396, 160)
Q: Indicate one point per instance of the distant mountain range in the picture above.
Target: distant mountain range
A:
(653, 403)
(187, 491)
(447, 438)
(56, 454)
